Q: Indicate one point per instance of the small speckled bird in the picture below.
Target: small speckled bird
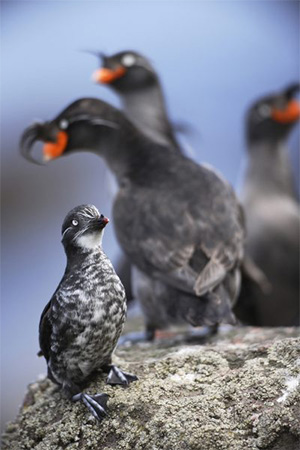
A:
(272, 211)
(80, 326)
(179, 222)
(131, 75)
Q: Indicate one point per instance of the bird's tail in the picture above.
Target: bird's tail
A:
(210, 309)
(252, 273)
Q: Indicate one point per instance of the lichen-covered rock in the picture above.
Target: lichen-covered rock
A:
(239, 392)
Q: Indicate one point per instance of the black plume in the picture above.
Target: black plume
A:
(33, 133)
(99, 55)
(292, 90)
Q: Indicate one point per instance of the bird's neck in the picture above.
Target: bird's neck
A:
(86, 262)
(146, 108)
(269, 170)
(81, 254)
(131, 155)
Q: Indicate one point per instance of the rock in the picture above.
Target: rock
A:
(240, 391)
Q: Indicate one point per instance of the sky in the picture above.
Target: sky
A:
(214, 59)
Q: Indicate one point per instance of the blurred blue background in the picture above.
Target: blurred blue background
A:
(214, 59)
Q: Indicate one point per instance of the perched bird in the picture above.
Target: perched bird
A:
(134, 79)
(272, 211)
(178, 222)
(80, 326)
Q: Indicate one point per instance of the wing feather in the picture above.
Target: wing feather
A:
(187, 235)
(45, 330)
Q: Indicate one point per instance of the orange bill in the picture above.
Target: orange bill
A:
(108, 75)
(289, 114)
(53, 150)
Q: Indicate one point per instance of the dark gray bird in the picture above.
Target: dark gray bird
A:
(272, 211)
(131, 75)
(178, 222)
(80, 326)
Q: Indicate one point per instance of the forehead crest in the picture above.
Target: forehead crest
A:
(89, 212)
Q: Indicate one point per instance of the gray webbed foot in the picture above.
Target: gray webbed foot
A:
(96, 404)
(137, 336)
(202, 335)
(116, 376)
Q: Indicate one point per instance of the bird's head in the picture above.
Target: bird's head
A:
(83, 125)
(83, 228)
(125, 71)
(272, 117)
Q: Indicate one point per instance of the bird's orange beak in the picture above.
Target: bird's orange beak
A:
(290, 114)
(107, 76)
(53, 150)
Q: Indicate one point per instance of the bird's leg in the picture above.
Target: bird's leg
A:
(96, 404)
(149, 333)
(138, 336)
(202, 334)
(116, 376)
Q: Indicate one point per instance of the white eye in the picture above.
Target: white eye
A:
(63, 124)
(128, 60)
(74, 222)
(264, 110)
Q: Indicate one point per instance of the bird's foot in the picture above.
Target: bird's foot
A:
(202, 334)
(165, 334)
(96, 404)
(116, 376)
(136, 337)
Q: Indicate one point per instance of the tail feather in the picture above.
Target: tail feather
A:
(211, 309)
(254, 274)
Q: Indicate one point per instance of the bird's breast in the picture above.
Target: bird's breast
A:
(92, 293)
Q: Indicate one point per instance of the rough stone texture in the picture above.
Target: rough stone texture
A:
(240, 391)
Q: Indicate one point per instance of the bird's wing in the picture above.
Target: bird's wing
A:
(190, 268)
(185, 229)
(45, 329)
(191, 254)
(67, 333)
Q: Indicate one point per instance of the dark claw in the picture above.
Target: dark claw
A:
(116, 376)
(96, 404)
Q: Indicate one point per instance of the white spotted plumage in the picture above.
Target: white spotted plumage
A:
(80, 329)
(99, 310)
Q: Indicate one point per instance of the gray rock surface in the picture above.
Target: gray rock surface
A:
(240, 391)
